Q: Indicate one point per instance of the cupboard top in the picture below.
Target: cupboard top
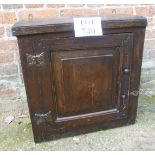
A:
(64, 24)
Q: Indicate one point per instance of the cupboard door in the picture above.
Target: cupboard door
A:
(89, 80)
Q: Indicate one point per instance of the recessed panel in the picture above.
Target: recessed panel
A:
(85, 81)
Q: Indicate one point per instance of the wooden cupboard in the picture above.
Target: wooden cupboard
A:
(79, 84)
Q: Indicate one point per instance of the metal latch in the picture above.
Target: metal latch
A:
(43, 117)
(35, 60)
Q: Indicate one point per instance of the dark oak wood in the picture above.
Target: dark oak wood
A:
(65, 24)
(77, 84)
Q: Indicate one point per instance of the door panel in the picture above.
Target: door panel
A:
(87, 79)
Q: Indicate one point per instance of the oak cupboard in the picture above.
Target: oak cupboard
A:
(80, 84)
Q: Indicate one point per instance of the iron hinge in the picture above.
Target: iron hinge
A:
(35, 60)
(134, 93)
(43, 117)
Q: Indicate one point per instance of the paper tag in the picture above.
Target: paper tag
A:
(87, 26)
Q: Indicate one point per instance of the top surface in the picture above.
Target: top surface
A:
(62, 24)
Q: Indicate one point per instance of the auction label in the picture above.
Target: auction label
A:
(87, 26)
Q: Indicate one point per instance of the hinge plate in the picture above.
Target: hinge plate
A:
(35, 60)
(43, 117)
(134, 93)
